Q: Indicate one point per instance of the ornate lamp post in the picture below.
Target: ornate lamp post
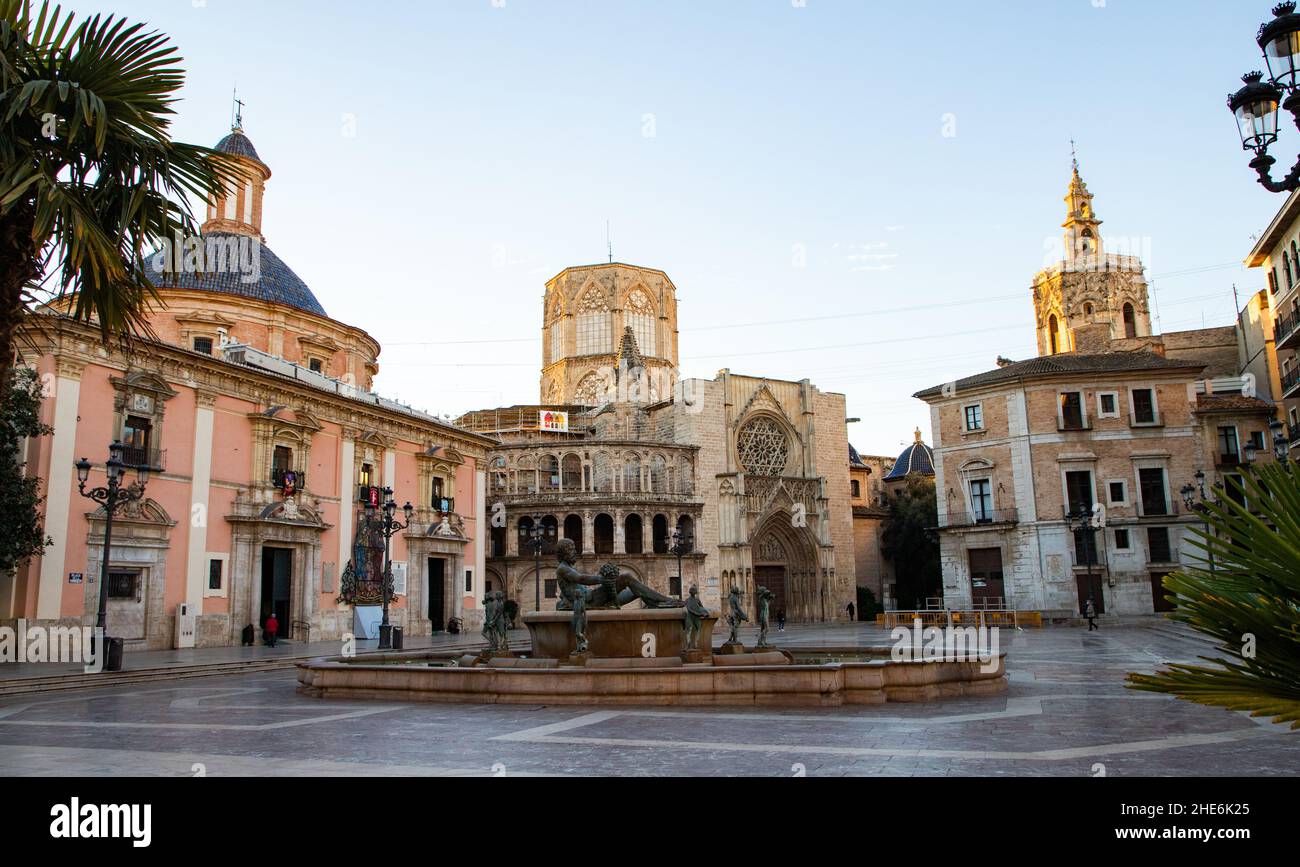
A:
(389, 526)
(537, 541)
(1086, 521)
(112, 497)
(1256, 105)
(1190, 494)
(1281, 445)
(683, 543)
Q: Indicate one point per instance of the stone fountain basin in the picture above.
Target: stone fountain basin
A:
(616, 633)
(872, 679)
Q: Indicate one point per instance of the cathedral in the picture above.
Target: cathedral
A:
(739, 481)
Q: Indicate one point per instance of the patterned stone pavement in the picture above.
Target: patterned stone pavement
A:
(1066, 714)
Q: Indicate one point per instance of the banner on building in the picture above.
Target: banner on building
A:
(555, 422)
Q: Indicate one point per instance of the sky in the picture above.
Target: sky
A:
(856, 192)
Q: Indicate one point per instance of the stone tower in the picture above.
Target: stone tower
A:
(1090, 297)
(588, 312)
(239, 210)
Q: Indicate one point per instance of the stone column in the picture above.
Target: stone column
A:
(620, 533)
(200, 488)
(58, 500)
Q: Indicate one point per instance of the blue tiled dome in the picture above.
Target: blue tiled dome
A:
(916, 460)
(276, 281)
(238, 144)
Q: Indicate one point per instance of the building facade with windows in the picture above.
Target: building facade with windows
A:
(254, 411)
(1277, 253)
(751, 470)
(1134, 432)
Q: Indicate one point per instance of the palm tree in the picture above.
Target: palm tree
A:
(1245, 594)
(90, 180)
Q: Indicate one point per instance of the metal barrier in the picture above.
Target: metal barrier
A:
(1021, 619)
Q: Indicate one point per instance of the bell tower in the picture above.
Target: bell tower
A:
(1091, 301)
(238, 210)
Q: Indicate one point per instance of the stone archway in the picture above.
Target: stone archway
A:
(786, 562)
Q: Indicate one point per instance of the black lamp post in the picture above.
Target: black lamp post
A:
(112, 497)
(1085, 521)
(1281, 445)
(683, 543)
(389, 526)
(537, 541)
(1256, 105)
(1190, 494)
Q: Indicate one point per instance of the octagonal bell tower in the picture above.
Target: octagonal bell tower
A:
(599, 318)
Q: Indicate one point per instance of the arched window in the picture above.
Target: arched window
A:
(639, 313)
(524, 529)
(602, 482)
(595, 325)
(685, 476)
(1286, 269)
(658, 475)
(1130, 322)
(604, 530)
(686, 524)
(632, 473)
(660, 534)
(1053, 335)
(550, 473)
(572, 473)
(632, 534)
(555, 326)
(500, 478)
(573, 530)
(1086, 243)
(550, 534)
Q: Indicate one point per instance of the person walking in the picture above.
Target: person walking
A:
(272, 630)
(852, 611)
(1090, 611)
(780, 620)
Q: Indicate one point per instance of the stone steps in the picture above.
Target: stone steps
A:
(128, 677)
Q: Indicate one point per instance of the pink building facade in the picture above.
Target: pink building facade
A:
(254, 413)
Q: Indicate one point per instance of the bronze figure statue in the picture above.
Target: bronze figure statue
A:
(736, 616)
(611, 589)
(492, 613)
(765, 598)
(696, 611)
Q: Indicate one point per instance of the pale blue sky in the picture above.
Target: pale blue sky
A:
(493, 140)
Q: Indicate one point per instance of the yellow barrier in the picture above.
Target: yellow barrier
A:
(891, 619)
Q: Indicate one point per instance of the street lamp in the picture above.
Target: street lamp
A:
(683, 543)
(1190, 494)
(112, 497)
(1086, 521)
(1256, 105)
(389, 526)
(1281, 445)
(537, 541)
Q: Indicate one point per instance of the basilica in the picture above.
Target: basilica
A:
(738, 481)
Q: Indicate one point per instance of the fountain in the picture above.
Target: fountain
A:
(595, 650)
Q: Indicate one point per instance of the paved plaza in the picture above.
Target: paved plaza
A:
(1066, 713)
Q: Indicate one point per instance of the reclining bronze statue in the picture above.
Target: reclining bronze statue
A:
(611, 589)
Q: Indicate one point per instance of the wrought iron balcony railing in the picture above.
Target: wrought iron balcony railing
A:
(1287, 331)
(136, 457)
(979, 518)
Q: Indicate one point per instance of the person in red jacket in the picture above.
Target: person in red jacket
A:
(272, 630)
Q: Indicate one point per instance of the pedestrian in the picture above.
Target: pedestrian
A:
(272, 630)
(852, 612)
(780, 620)
(1090, 611)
